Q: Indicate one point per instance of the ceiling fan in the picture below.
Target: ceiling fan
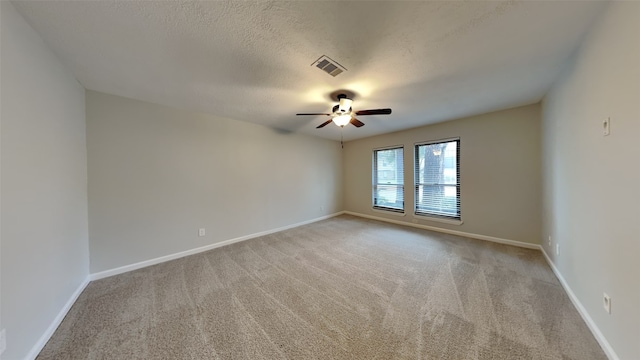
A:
(343, 113)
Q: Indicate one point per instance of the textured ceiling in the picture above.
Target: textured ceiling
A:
(428, 61)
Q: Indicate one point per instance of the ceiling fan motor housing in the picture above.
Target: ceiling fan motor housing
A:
(344, 107)
(337, 111)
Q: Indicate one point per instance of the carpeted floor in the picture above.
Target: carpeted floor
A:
(343, 288)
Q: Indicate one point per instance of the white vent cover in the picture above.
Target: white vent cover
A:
(329, 65)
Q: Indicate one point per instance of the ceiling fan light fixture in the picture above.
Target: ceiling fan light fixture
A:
(342, 113)
(342, 120)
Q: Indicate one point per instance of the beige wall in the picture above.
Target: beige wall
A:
(591, 182)
(157, 174)
(45, 256)
(499, 173)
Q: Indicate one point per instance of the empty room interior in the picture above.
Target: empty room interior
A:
(320, 180)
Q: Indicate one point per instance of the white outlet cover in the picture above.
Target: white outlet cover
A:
(3, 341)
(201, 232)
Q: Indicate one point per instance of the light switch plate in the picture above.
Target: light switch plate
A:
(606, 125)
(606, 302)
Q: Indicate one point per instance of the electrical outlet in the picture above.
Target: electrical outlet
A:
(3, 341)
(549, 242)
(606, 302)
(557, 249)
(201, 232)
(606, 126)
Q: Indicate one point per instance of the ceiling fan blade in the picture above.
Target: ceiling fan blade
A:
(374, 112)
(314, 114)
(357, 123)
(324, 124)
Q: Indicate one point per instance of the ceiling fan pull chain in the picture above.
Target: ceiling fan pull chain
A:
(341, 143)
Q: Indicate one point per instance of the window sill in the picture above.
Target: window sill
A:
(389, 212)
(440, 220)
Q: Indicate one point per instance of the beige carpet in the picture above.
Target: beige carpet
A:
(344, 288)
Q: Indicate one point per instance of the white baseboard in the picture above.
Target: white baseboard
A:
(142, 264)
(35, 350)
(453, 232)
(604, 344)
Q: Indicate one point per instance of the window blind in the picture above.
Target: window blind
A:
(437, 179)
(388, 179)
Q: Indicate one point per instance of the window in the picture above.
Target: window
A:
(437, 179)
(388, 179)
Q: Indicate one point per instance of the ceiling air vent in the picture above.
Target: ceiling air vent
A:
(329, 65)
